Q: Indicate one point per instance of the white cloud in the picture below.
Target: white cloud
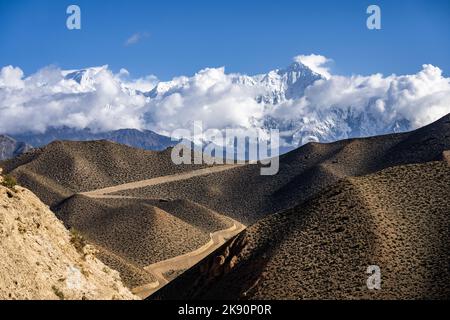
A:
(422, 97)
(419, 98)
(316, 63)
(135, 38)
(142, 84)
(107, 101)
(11, 77)
(48, 99)
(209, 96)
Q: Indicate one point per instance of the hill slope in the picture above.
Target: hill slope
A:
(62, 168)
(303, 173)
(398, 219)
(136, 227)
(140, 232)
(39, 259)
(130, 233)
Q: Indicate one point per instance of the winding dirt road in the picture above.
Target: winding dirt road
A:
(158, 180)
(182, 262)
(185, 261)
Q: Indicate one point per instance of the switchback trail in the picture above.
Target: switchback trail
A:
(182, 262)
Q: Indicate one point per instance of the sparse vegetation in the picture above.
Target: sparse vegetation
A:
(22, 229)
(85, 272)
(9, 182)
(78, 241)
(33, 242)
(58, 292)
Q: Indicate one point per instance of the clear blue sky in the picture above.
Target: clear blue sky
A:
(250, 36)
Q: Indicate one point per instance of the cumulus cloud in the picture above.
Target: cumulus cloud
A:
(135, 38)
(47, 98)
(317, 63)
(330, 108)
(209, 96)
(142, 84)
(11, 77)
(419, 98)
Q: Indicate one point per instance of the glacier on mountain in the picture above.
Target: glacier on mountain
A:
(303, 104)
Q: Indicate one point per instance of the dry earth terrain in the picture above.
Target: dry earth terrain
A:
(398, 219)
(244, 195)
(40, 259)
(331, 210)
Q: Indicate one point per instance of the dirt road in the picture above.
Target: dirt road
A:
(100, 193)
(182, 262)
(185, 261)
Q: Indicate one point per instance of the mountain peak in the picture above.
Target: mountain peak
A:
(297, 66)
(83, 75)
(288, 83)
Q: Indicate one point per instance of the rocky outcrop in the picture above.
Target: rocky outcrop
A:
(40, 259)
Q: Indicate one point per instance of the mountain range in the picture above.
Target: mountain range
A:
(283, 99)
(144, 139)
(21, 143)
(332, 211)
(281, 89)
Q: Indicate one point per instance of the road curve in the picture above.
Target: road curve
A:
(184, 261)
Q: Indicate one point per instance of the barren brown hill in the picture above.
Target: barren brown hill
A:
(64, 168)
(398, 219)
(148, 222)
(244, 195)
(134, 233)
(130, 234)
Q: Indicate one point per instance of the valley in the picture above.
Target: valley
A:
(225, 231)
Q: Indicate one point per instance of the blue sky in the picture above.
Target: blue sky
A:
(253, 36)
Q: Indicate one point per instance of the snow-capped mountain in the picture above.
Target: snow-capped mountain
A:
(164, 89)
(275, 86)
(84, 77)
(281, 89)
(303, 101)
(285, 84)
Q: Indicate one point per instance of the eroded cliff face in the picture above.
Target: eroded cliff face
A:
(40, 259)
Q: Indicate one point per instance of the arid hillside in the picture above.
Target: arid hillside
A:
(63, 168)
(140, 231)
(153, 211)
(397, 219)
(244, 195)
(40, 259)
(130, 233)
